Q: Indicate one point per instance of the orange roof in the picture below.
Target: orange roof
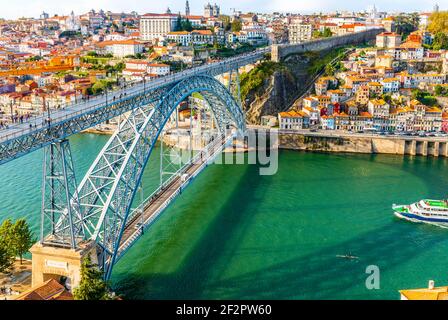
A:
(389, 34)
(203, 32)
(411, 44)
(292, 114)
(122, 42)
(178, 33)
(365, 114)
(49, 290)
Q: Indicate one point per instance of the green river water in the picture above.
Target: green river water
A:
(234, 234)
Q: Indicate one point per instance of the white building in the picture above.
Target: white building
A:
(390, 84)
(156, 26)
(300, 32)
(139, 69)
(122, 48)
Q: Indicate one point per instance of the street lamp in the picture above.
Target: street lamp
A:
(10, 105)
(48, 113)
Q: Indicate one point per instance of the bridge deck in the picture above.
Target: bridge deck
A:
(14, 131)
(163, 197)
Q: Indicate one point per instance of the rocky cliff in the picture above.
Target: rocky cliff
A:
(273, 87)
(277, 91)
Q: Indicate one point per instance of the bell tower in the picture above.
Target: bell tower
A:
(187, 9)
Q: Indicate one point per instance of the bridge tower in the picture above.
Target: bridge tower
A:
(62, 244)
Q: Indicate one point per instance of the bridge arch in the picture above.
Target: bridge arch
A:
(108, 189)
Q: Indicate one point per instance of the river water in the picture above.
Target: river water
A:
(234, 234)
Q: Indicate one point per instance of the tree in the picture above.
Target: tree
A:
(317, 34)
(440, 41)
(6, 257)
(92, 286)
(406, 23)
(186, 25)
(6, 251)
(329, 70)
(424, 97)
(438, 22)
(236, 25)
(22, 238)
(6, 232)
(327, 33)
(178, 25)
(226, 22)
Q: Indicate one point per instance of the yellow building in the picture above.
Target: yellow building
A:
(362, 95)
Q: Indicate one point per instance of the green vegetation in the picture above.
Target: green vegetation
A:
(227, 25)
(440, 41)
(6, 257)
(100, 86)
(34, 58)
(424, 97)
(224, 52)
(317, 63)
(441, 91)
(183, 24)
(406, 23)
(96, 60)
(92, 286)
(15, 240)
(136, 56)
(254, 79)
(387, 97)
(438, 22)
(22, 238)
(322, 34)
(236, 25)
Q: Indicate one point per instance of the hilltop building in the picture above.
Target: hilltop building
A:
(211, 11)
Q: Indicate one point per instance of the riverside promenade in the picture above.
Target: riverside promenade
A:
(343, 141)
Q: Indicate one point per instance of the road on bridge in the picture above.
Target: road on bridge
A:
(160, 200)
(58, 115)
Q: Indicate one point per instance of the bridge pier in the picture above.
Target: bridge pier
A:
(410, 147)
(443, 149)
(51, 262)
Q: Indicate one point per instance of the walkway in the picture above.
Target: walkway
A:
(76, 109)
(162, 197)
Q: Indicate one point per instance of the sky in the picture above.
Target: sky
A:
(33, 8)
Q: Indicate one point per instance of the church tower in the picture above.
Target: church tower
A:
(187, 9)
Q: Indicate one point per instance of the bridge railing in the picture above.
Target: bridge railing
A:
(220, 143)
(140, 208)
(77, 109)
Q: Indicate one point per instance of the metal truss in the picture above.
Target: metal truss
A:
(60, 205)
(170, 155)
(87, 117)
(41, 137)
(107, 191)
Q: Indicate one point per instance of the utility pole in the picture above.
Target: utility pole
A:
(48, 112)
(12, 118)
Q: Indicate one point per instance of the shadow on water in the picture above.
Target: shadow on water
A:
(320, 275)
(223, 234)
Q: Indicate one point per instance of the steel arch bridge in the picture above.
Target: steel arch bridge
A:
(100, 207)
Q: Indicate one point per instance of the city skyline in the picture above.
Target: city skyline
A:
(33, 8)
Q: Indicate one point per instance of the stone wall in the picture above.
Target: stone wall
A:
(280, 51)
(386, 145)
